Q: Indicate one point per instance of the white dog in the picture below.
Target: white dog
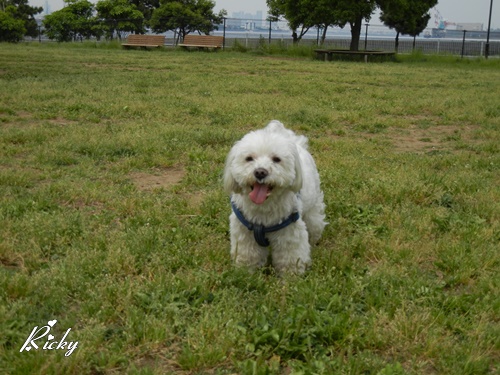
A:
(276, 199)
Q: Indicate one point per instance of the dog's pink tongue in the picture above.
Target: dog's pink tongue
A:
(259, 193)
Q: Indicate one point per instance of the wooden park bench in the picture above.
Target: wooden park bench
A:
(327, 54)
(202, 42)
(144, 41)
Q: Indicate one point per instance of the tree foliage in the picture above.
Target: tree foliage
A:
(79, 19)
(119, 16)
(186, 16)
(75, 20)
(146, 7)
(407, 17)
(11, 28)
(355, 12)
(17, 19)
(301, 15)
(83, 19)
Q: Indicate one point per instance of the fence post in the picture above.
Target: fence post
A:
(463, 44)
(366, 35)
(224, 35)
(487, 47)
(270, 28)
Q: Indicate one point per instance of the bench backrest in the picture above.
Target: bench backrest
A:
(149, 40)
(203, 40)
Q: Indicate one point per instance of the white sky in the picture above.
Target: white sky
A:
(460, 11)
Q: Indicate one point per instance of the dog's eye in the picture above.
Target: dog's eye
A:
(276, 159)
(249, 158)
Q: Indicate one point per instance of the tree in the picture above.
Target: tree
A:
(186, 16)
(27, 14)
(119, 16)
(328, 14)
(407, 17)
(74, 20)
(146, 7)
(354, 12)
(60, 25)
(301, 15)
(304, 14)
(298, 13)
(14, 14)
(11, 29)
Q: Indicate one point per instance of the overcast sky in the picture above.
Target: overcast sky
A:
(460, 11)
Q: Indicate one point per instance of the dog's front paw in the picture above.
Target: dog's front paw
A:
(249, 257)
(298, 267)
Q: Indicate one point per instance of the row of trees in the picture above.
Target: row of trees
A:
(81, 18)
(106, 18)
(409, 17)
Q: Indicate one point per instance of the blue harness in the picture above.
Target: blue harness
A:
(259, 230)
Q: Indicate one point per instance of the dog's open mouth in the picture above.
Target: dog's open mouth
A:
(260, 192)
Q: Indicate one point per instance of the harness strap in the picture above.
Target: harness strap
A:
(259, 230)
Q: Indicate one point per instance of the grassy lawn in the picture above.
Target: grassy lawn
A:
(113, 221)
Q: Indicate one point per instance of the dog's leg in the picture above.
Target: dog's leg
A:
(244, 250)
(315, 223)
(291, 251)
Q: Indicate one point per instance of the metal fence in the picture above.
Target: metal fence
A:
(406, 45)
(250, 33)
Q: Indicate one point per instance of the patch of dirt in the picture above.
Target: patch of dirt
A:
(415, 139)
(435, 138)
(26, 119)
(24, 115)
(11, 261)
(165, 178)
(80, 203)
(195, 199)
(61, 121)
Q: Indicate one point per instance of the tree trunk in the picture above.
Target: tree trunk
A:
(356, 33)
(397, 42)
(323, 36)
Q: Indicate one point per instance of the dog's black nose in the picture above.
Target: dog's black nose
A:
(260, 173)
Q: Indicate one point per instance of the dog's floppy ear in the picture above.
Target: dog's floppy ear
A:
(230, 185)
(297, 182)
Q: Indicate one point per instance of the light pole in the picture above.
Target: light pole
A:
(487, 47)
(366, 35)
(224, 35)
(270, 28)
(463, 44)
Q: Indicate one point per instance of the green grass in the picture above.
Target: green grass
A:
(113, 220)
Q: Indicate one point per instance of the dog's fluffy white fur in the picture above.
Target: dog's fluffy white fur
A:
(270, 175)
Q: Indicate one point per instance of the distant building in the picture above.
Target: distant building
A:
(46, 8)
(247, 21)
(470, 26)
